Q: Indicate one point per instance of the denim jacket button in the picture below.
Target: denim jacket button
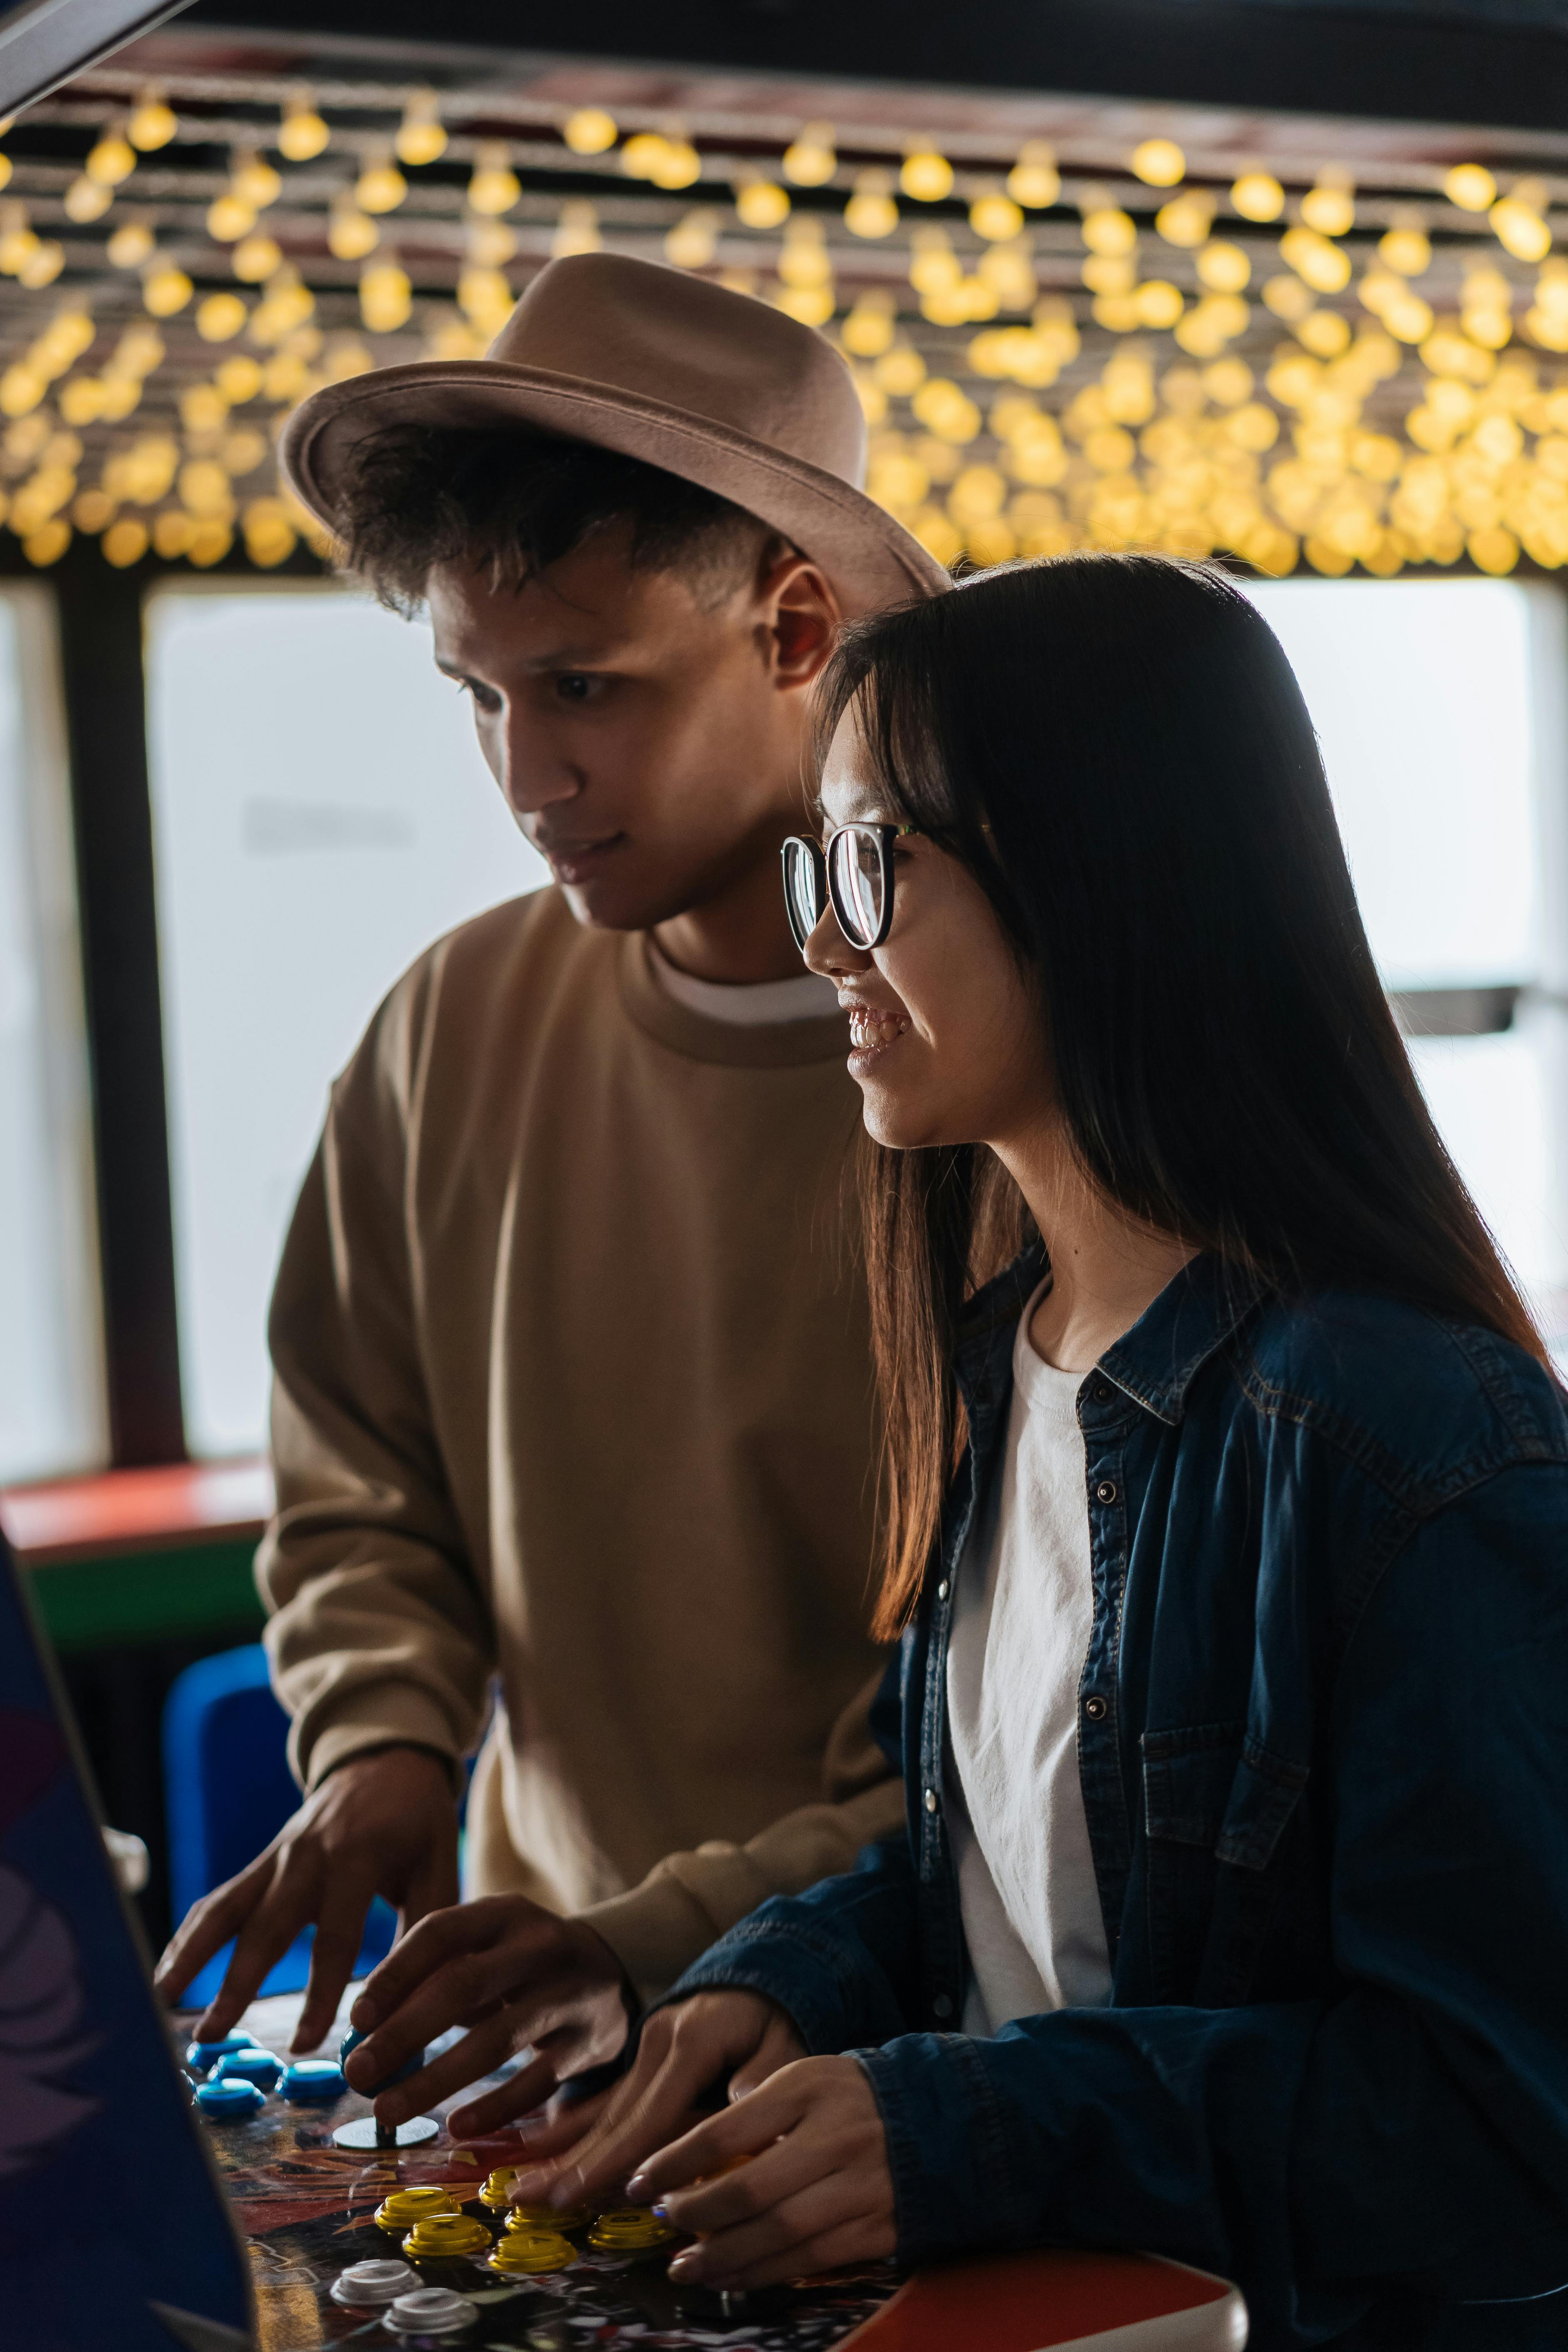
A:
(931, 1800)
(1093, 1707)
(1106, 1491)
(941, 2005)
(942, 1590)
(1101, 1391)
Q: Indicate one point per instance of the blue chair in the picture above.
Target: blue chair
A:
(228, 1793)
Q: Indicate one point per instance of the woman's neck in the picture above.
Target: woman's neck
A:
(1105, 1268)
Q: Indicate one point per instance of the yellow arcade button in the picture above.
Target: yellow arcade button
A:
(531, 2252)
(545, 2217)
(628, 2229)
(441, 2236)
(493, 2193)
(406, 2207)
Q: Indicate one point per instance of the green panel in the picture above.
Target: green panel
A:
(149, 1596)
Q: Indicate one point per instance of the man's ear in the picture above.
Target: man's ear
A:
(799, 619)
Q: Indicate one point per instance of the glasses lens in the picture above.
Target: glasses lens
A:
(857, 871)
(800, 891)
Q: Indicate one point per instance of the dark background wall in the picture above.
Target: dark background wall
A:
(1505, 63)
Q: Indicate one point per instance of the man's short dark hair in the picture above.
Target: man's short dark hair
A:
(512, 503)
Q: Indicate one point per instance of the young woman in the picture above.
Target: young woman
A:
(1232, 1921)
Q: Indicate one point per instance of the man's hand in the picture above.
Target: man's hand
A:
(516, 1977)
(381, 1825)
(713, 2042)
(804, 2183)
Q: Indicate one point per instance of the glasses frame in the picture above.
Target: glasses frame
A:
(828, 893)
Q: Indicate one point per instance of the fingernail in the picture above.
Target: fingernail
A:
(634, 2184)
(362, 2014)
(661, 2211)
(687, 2265)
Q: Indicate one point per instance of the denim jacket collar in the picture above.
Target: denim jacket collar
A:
(1156, 1361)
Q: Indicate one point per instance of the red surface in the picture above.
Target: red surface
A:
(1024, 2303)
(136, 1510)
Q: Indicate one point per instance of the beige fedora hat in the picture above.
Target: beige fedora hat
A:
(715, 386)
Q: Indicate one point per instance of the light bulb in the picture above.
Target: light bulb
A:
(152, 124)
(995, 216)
(926, 175)
(1471, 187)
(1034, 180)
(220, 317)
(495, 186)
(131, 244)
(381, 186)
(1330, 208)
(112, 159)
(1257, 196)
(871, 211)
(590, 131)
(351, 234)
(165, 290)
(255, 259)
(1158, 163)
(302, 134)
(386, 297)
(85, 200)
(253, 180)
(809, 159)
(762, 203)
(421, 135)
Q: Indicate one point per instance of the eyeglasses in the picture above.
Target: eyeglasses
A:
(855, 875)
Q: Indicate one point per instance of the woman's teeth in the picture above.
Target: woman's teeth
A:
(868, 1028)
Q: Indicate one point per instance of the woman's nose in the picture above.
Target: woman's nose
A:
(828, 951)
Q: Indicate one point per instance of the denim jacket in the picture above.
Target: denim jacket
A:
(1323, 1746)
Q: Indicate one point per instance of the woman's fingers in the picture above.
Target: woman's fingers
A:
(710, 2147)
(519, 2095)
(817, 2210)
(867, 2239)
(778, 2047)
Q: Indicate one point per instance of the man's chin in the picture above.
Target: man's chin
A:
(609, 906)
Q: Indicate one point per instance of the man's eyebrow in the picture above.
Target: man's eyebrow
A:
(557, 657)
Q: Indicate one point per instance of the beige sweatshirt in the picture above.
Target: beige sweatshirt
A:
(573, 1390)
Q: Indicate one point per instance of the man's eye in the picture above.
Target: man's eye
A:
(574, 685)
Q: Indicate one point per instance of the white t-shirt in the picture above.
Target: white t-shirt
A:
(1022, 1613)
(752, 1005)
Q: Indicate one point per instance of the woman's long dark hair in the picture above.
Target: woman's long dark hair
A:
(1117, 748)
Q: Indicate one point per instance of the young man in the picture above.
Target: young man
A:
(568, 1333)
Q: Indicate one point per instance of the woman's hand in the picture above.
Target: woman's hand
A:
(815, 2193)
(517, 1976)
(713, 2043)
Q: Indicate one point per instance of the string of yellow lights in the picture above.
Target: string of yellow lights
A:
(1339, 364)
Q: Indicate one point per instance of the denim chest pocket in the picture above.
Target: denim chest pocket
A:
(1217, 1810)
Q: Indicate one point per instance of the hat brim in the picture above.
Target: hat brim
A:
(870, 560)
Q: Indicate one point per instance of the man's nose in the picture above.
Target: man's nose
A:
(531, 772)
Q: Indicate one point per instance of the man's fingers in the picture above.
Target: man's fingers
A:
(433, 1882)
(478, 2053)
(207, 1927)
(418, 1952)
(287, 1904)
(340, 1932)
(519, 2095)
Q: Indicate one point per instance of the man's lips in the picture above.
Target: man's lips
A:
(578, 861)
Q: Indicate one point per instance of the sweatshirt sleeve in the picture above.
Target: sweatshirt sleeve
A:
(378, 1633)
(688, 1901)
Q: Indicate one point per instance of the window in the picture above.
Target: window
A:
(1438, 706)
(52, 1414)
(321, 813)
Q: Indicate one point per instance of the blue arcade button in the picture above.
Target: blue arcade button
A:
(313, 2082)
(258, 2066)
(227, 2102)
(202, 2056)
